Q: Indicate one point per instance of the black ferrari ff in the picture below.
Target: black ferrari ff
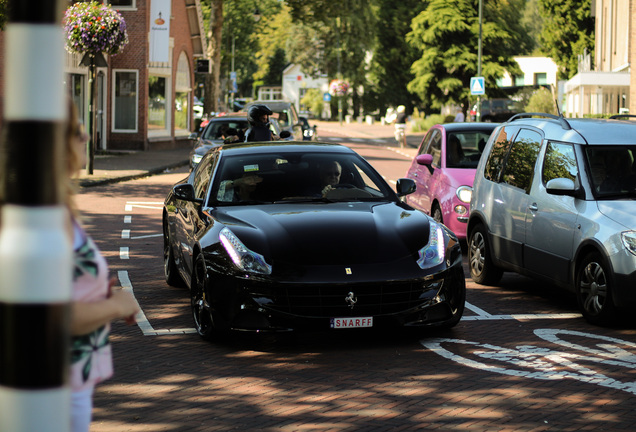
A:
(280, 236)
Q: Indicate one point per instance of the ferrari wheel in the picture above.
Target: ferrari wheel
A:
(170, 270)
(200, 301)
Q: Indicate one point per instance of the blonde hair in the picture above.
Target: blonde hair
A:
(73, 159)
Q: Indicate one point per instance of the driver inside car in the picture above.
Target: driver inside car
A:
(329, 176)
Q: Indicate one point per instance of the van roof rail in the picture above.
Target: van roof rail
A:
(564, 123)
(620, 116)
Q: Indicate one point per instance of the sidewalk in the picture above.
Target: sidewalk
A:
(122, 166)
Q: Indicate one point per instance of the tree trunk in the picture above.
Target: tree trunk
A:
(212, 82)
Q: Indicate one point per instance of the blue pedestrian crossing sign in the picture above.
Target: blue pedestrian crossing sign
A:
(477, 86)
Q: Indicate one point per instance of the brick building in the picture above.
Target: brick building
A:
(144, 96)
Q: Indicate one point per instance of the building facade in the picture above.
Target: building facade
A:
(606, 84)
(144, 96)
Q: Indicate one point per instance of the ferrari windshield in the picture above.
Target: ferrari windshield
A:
(267, 178)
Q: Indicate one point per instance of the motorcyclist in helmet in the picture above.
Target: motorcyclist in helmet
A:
(258, 119)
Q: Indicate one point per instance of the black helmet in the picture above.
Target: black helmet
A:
(254, 114)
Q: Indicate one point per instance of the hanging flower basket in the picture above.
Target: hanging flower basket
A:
(338, 87)
(93, 28)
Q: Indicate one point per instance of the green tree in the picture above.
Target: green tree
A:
(313, 101)
(4, 13)
(446, 34)
(542, 101)
(390, 69)
(532, 20)
(568, 31)
(341, 35)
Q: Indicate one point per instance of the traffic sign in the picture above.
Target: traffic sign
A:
(477, 86)
(326, 97)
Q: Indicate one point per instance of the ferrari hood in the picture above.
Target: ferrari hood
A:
(328, 233)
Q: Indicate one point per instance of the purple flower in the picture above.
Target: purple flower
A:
(94, 27)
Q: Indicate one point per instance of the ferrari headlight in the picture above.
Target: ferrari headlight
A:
(242, 257)
(433, 253)
(629, 241)
(464, 193)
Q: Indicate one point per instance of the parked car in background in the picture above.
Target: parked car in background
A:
(444, 169)
(496, 110)
(263, 246)
(555, 199)
(309, 132)
(285, 113)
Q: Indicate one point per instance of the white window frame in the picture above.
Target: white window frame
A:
(114, 92)
(133, 6)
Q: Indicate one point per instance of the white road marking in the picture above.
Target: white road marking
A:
(125, 234)
(482, 315)
(127, 219)
(123, 253)
(528, 361)
(155, 205)
(142, 321)
(146, 236)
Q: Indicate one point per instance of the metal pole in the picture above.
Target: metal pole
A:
(231, 77)
(478, 115)
(339, 73)
(35, 252)
(92, 130)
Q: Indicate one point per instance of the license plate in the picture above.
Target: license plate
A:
(358, 322)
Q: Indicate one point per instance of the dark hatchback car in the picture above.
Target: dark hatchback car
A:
(496, 110)
(263, 246)
(212, 135)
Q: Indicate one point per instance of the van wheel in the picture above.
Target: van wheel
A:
(593, 290)
(482, 269)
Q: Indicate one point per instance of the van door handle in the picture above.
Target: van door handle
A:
(533, 207)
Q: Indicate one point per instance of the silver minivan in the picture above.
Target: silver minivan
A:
(555, 199)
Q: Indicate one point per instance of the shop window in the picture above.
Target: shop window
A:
(181, 111)
(157, 103)
(125, 101)
(78, 93)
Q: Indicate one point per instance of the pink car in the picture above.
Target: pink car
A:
(444, 170)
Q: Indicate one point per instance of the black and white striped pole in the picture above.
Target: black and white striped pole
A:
(35, 253)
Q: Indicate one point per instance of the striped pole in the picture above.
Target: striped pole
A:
(35, 253)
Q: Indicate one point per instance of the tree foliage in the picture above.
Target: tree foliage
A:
(390, 69)
(568, 30)
(341, 34)
(447, 35)
(542, 101)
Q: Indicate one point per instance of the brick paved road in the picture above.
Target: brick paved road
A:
(490, 373)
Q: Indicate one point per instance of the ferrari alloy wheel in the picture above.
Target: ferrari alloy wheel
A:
(200, 301)
(170, 270)
(593, 290)
(482, 269)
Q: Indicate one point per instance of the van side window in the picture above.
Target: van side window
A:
(498, 154)
(520, 164)
(560, 162)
